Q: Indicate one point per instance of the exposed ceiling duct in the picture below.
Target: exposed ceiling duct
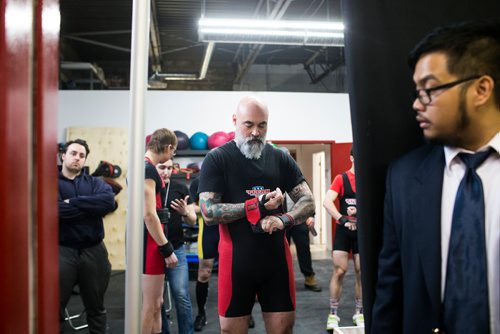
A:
(188, 76)
(92, 74)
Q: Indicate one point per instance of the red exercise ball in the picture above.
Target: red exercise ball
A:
(217, 139)
(231, 135)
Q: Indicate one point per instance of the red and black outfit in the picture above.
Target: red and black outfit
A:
(154, 262)
(251, 264)
(344, 184)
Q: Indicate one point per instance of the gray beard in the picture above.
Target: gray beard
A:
(249, 147)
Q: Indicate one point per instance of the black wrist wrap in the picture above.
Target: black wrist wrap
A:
(343, 220)
(166, 250)
(287, 220)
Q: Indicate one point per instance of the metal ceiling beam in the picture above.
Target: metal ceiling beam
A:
(155, 49)
(100, 33)
(104, 45)
(277, 12)
(189, 76)
(311, 67)
(255, 12)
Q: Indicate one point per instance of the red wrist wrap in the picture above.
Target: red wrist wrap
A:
(252, 210)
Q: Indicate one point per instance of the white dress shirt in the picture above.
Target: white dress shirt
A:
(489, 172)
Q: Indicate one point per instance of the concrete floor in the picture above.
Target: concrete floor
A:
(312, 307)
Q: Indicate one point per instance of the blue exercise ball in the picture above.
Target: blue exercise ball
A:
(182, 140)
(199, 141)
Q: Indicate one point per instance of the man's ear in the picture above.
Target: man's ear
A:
(483, 90)
(234, 119)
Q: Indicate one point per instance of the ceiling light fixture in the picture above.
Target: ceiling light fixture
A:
(271, 32)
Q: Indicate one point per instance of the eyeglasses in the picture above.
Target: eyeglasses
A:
(424, 94)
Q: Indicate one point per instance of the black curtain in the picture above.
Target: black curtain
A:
(378, 37)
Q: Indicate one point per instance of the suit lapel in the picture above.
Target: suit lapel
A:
(427, 191)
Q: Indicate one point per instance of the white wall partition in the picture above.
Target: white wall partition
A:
(293, 116)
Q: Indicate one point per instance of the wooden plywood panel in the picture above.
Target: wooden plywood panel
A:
(110, 144)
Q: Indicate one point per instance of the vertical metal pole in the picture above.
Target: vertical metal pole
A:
(203, 8)
(134, 236)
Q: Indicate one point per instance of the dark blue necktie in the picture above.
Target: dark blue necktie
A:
(466, 308)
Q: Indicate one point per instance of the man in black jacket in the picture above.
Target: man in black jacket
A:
(83, 258)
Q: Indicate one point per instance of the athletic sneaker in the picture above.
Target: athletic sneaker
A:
(358, 320)
(333, 322)
(199, 322)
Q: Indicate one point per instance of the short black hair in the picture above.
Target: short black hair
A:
(472, 48)
(77, 141)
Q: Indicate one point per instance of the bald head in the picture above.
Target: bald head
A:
(251, 104)
(250, 121)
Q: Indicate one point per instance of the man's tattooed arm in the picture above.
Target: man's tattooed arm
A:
(214, 212)
(304, 203)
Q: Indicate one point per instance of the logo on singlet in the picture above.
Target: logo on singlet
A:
(257, 191)
(350, 201)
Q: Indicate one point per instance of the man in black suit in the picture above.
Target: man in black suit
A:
(457, 104)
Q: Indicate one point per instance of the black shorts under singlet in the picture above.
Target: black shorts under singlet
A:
(345, 240)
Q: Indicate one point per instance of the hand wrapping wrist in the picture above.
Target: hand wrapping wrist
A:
(255, 210)
(343, 220)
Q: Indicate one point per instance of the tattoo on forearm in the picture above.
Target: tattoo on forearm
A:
(215, 212)
(304, 202)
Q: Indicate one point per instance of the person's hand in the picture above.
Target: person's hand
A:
(349, 222)
(310, 225)
(270, 224)
(171, 261)
(274, 199)
(181, 206)
(351, 211)
(351, 226)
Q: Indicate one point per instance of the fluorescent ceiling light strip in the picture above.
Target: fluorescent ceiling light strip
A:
(269, 24)
(257, 32)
